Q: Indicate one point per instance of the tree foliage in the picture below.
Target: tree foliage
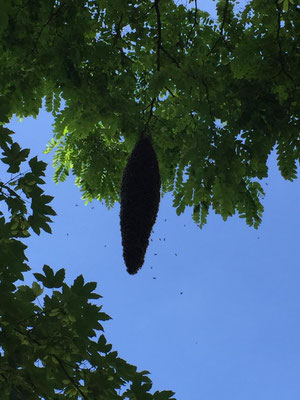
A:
(52, 347)
(216, 96)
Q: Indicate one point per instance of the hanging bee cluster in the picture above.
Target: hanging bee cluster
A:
(140, 196)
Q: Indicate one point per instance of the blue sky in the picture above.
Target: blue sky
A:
(221, 318)
(233, 333)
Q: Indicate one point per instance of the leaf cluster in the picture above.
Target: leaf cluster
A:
(52, 347)
(20, 219)
(216, 96)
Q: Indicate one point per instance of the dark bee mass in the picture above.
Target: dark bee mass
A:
(140, 195)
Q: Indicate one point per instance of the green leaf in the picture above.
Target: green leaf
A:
(37, 290)
(59, 278)
(103, 317)
(39, 277)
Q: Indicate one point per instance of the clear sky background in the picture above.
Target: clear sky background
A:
(214, 313)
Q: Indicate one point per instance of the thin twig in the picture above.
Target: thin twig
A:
(70, 377)
(170, 91)
(159, 47)
(158, 34)
(151, 110)
(171, 57)
(222, 30)
(195, 23)
(118, 30)
(279, 44)
(224, 16)
(47, 23)
(16, 177)
(208, 98)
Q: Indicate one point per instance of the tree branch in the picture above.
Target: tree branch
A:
(158, 34)
(70, 377)
(170, 91)
(118, 30)
(281, 61)
(47, 23)
(222, 29)
(151, 110)
(224, 16)
(194, 24)
(208, 98)
(171, 57)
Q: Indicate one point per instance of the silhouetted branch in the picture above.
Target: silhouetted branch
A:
(158, 34)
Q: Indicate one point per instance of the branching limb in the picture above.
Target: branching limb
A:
(151, 110)
(47, 23)
(222, 30)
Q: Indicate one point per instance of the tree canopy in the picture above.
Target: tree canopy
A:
(51, 347)
(216, 96)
